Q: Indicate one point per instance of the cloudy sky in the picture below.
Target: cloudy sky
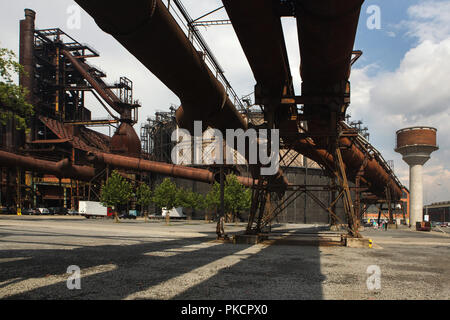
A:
(403, 78)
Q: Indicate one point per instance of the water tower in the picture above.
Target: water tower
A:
(416, 144)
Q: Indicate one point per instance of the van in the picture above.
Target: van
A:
(43, 211)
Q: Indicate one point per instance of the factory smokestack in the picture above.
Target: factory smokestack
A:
(26, 53)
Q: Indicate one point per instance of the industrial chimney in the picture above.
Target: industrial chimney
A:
(26, 56)
(416, 144)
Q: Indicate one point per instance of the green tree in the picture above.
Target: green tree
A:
(116, 191)
(182, 198)
(236, 196)
(200, 201)
(190, 200)
(212, 200)
(13, 98)
(144, 198)
(165, 196)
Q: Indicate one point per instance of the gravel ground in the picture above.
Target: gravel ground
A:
(138, 260)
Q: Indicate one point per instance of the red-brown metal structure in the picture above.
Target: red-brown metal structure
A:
(169, 55)
(165, 169)
(61, 169)
(326, 31)
(152, 35)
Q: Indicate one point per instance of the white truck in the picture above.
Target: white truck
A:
(92, 209)
(173, 213)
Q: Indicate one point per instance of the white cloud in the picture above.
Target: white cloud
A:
(416, 93)
(391, 34)
(429, 21)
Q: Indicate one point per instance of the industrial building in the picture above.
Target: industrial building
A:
(59, 78)
(329, 172)
(438, 211)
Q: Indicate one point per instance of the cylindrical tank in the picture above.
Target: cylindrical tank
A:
(415, 144)
(424, 136)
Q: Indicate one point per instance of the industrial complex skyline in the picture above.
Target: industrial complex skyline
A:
(400, 81)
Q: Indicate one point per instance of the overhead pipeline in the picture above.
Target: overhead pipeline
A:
(61, 169)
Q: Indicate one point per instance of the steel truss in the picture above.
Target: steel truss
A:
(261, 215)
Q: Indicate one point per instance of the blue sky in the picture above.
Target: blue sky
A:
(401, 80)
(379, 46)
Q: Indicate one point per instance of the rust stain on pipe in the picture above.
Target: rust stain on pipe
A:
(162, 168)
(258, 27)
(150, 33)
(353, 158)
(374, 173)
(61, 169)
(327, 31)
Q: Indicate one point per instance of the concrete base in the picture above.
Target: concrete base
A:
(248, 239)
(392, 226)
(358, 243)
(337, 227)
(334, 227)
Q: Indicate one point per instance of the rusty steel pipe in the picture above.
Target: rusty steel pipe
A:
(61, 169)
(110, 99)
(324, 61)
(152, 166)
(151, 34)
(327, 31)
(258, 27)
(374, 173)
(99, 86)
(353, 158)
(166, 169)
(125, 140)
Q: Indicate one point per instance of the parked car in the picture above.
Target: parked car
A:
(72, 212)
(127, 216)
(8, 210)
(29, 211)
(58, 210)
(43, 211)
